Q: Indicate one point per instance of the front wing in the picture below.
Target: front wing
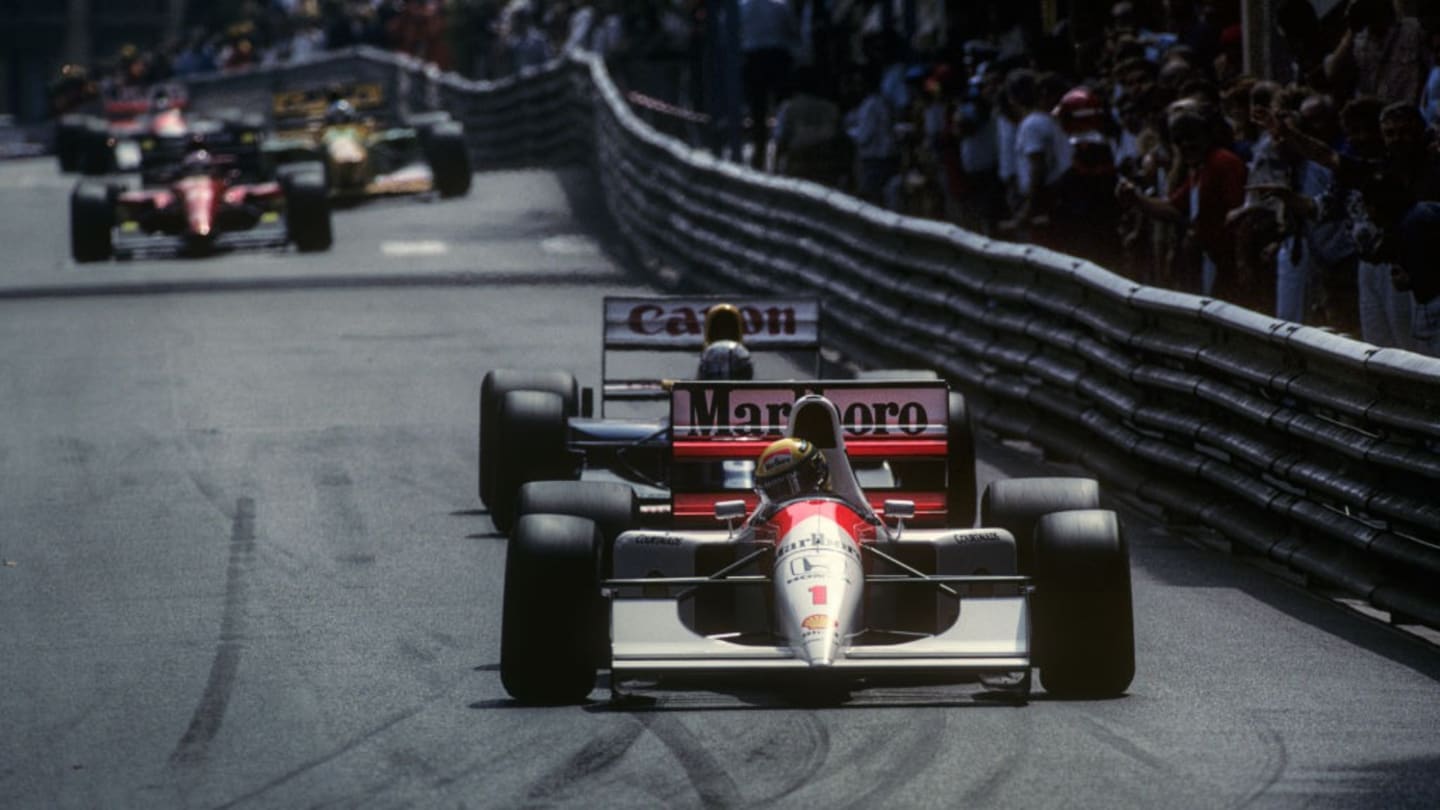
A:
(991, 635)
(129, 245)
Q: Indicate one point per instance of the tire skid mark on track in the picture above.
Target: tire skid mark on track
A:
(1129, 748)
(597, 755)
(1277, 760)
(337, 498)
(310, 765)
(909, 749)
(815, 754)
(711, 782)
(194, 746)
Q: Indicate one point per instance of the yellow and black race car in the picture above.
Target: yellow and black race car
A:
(341, 128)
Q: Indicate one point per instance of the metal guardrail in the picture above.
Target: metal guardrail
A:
(1316, 451)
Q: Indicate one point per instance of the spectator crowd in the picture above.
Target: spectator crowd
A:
(1140, 143)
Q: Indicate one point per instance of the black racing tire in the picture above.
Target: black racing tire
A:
(613, 507)
(494, 386)
(896, 374)
(531, 447)
(307, 210)
(449, 158)
(92, 223)
(97, 155)
(961, 482)
(69, 141)
(554, 618)
(1017, 504)
(1083, 638)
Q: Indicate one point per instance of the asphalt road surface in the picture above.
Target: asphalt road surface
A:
(244, 566)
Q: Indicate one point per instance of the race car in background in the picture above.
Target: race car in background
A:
(540, 425)
(148, 130)
(342, 129)
(815, 584)
(202, 208)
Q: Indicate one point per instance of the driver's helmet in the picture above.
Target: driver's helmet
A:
(790, 468)
(196, 162)
(726, 360)
(160, 102)
(340, 112)
(724, 322)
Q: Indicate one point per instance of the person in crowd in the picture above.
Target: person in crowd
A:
(1213, 186)
(1380, 54)
(976, 123)
(1417, 274)
(528, 46)
(872, 131)
(1042, 151)
(769, 35)
(809, 142)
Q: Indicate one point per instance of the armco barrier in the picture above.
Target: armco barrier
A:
(1313, 450)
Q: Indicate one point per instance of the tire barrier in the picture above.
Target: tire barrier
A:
(1313, 450)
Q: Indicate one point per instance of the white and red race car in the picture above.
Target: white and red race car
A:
(828, 591)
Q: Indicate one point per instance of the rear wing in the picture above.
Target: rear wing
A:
(293, 109)
(676, 324)
(132, 102)
(895, 434)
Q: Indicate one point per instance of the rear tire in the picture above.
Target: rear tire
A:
(69, 141)
(532, 447)
(1017, 504)
(449, 158)
(961, 486)
(1084, 628)
(307, 210)
(92, 220)
(611, 505)
(494, 386)
(96, 156)
(554, 617)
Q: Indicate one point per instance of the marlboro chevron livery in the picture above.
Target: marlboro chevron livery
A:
(545, 427)
(811, 582)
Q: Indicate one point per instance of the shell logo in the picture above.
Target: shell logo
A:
(817, 621)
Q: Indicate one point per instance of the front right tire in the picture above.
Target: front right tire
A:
(554, 617)
(92, 220)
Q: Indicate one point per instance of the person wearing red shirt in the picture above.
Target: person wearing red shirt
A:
(1214, 186)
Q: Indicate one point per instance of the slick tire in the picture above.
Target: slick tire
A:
(531, 447)
(1083, 639)
(493, 387)
(554, 617)
(69, 141)
(307, 210)
(961, 487)
(97, 156)
(92, 220)
(449, 158)
(611, 505)
(1017, 504)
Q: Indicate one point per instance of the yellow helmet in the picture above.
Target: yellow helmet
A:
(789, 468)
(724, 322)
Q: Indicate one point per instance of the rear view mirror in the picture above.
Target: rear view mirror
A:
(730, 511)
(899, 511)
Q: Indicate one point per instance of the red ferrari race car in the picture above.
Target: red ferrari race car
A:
(203, 208)
(147, 130)
(814, 584)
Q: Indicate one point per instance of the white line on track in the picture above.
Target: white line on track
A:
(427, 247)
